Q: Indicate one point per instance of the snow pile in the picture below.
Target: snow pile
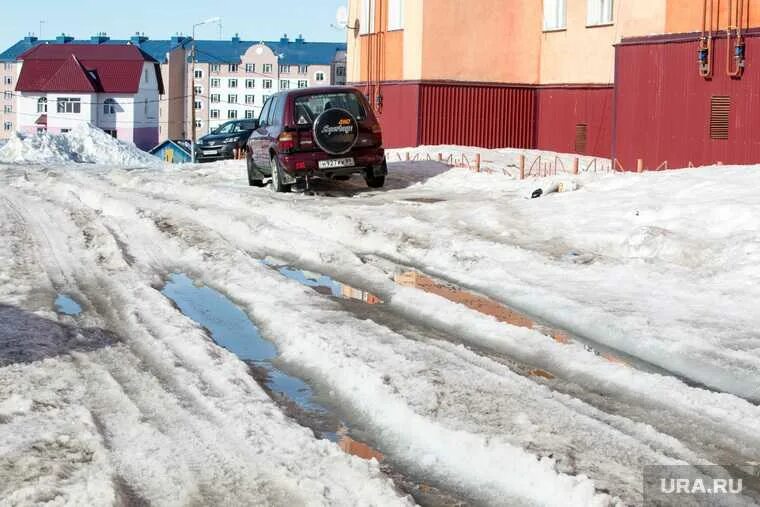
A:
(83, 144)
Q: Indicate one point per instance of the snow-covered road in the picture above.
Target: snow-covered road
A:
(131, 399)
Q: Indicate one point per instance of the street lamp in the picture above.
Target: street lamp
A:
(192, 84)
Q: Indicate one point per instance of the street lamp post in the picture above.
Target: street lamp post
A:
(192, 85)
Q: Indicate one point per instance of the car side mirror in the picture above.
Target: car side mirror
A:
(255, 124)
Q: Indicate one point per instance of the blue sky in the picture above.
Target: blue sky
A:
(253, 19)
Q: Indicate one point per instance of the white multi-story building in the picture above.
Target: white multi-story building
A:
(233, 79)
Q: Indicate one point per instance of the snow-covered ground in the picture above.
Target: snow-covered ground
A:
(132, 400)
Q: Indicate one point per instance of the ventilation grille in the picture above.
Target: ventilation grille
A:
(581, 137)
(720, 106)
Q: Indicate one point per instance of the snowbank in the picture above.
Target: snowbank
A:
(83, 144)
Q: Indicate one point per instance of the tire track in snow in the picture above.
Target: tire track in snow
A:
(200, 235)
(194, 238)
(210, 441)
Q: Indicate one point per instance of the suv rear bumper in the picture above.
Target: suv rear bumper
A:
(307, 162)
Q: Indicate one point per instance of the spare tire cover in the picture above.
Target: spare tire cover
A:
(336, 131)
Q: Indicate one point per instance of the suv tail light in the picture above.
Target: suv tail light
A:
(378, 132)
(286, 141)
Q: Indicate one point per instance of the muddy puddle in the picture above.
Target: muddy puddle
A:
(327, 285)
(231, 328)
(67, 305)
(324, 284)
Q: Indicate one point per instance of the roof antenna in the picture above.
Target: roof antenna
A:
(42, 22)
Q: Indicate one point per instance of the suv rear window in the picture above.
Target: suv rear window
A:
(308, 107)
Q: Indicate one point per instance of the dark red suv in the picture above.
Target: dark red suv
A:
(326, 132)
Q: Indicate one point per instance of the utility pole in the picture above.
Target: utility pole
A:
(192, 84)
(192, 100)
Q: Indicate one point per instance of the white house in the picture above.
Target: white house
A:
(114, 87)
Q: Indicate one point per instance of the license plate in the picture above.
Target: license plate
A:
(336, 162)
(210, 152)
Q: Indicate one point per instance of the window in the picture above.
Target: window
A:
(250, 83)
(302, 83)
(231, 99)
(146, 111)
(109, 106)
(232, 83)
(265, 112)
(198, 104)
(267, 84)
(266, 97)
(250, 67)
(198, 90)
(69, 105)
(599, 12)
(311, 106)
(303, 69)
(395, 14)
(215, 97)
(8, 95)
(8, 80)
(145, 78)
(215, 67)
(555, 14)
(215, 82)
(284, 84)
(232, 114)
(7, 109)
(198, 73)
(249, 115)
(340, 71)
(267, 68)
(214, 114)
(41, 130)
(320, 76)
(198, 124)
(233, 67)
(42, 105)
(7, 126)
(249, 99)
(367, 17)
(65, 131)
(284, 69)
(110, 132)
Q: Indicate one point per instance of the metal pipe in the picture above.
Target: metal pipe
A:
(704, 52)
(736, 47)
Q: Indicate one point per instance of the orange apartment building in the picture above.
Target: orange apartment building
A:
(543, 73)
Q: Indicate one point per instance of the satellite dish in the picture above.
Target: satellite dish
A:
(341, 17)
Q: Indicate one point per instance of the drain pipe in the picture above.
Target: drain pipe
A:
(738, 47)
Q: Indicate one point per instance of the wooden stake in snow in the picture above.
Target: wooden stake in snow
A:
(576, 162)
(522, 167)
(639, 165)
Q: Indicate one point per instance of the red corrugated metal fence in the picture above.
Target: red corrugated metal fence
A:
(663, 105)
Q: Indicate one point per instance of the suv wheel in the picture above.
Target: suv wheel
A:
(375, 181)
(252, 181)
(277, 184)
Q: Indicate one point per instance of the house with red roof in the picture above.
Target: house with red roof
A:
(113, 87)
